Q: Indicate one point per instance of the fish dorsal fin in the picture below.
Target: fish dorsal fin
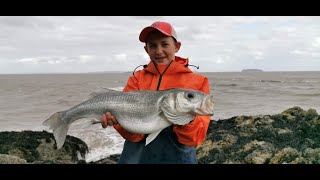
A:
(152, 136)
(102, 91)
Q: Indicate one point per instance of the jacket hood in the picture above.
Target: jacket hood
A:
(178, 65)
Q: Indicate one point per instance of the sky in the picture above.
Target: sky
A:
(80, 44)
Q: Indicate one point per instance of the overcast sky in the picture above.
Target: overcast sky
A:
(45, 44)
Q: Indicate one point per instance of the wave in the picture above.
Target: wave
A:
(273, 81)
(309, 94)
(227, 85)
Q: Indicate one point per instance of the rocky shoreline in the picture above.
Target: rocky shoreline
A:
(291, 137)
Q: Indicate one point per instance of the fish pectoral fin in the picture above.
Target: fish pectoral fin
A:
(152, 136)
(181, 120)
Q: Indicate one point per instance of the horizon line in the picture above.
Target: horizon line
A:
(102, 72)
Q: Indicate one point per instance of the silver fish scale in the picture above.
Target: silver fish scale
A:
(141, 110)
(136, 106)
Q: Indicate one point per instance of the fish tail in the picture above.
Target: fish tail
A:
(59, 127)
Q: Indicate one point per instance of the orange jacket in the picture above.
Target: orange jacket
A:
(178, 75)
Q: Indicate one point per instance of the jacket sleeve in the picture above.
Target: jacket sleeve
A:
(131, 85)
(194, 133)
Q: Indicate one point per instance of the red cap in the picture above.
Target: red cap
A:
(163, 27)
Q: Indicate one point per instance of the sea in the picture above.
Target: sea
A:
(26, 100)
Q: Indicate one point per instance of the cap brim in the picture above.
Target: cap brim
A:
(146, 31)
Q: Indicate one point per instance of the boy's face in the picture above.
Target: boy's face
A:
(161, 48)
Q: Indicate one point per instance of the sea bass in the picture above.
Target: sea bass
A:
(141, 112)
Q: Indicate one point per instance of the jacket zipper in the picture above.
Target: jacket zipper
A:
(159, 82)
(160, 78)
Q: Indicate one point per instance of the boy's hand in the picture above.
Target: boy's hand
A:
(108, 120)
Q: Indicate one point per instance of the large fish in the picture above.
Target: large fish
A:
(142, 112)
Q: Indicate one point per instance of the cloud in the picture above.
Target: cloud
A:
(257, 54)
(85, 58)
(299, 52)
(316, 42)
(215, 43)
(120, 57)
(26, 22)
(82, 59)
(143, 56)
(219, 60)
(44, 60)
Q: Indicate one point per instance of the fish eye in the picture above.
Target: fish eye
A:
(190, 95)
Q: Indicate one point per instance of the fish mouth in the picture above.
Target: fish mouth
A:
(207, 106)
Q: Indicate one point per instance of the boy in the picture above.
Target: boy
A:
(175, 144)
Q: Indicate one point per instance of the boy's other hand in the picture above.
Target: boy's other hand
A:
(108, 119)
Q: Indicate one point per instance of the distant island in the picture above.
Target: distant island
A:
(252, 70)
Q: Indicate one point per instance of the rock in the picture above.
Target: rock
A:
(9, 159)
(40, 147)
(113, 159)
(292, 137)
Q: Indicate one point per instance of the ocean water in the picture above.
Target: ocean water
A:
(29, 99)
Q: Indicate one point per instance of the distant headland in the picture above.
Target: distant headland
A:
(252, 70)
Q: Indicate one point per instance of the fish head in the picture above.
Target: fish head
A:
(194, 102)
